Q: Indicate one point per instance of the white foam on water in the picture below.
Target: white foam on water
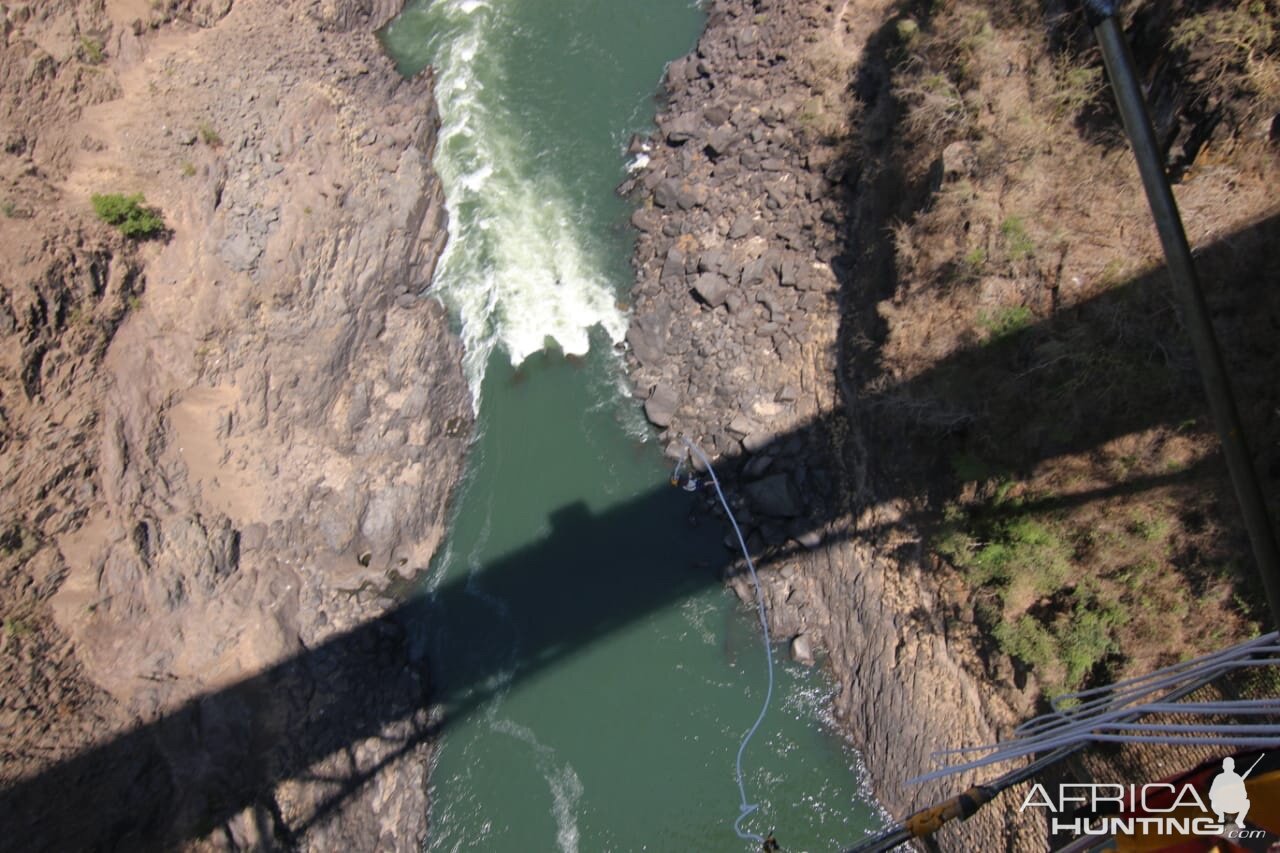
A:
(566, 792)
(562, 780)
(517, 270)
(698, 615)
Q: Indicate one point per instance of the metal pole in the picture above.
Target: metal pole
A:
(1186, 286)
(1195, 317)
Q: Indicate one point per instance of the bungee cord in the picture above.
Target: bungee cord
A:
(746, 809)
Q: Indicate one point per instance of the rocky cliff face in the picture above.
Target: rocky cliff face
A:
(222, 469)
(740, 260)
(895, 266)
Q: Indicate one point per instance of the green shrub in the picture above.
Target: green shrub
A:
(1150, 528)
(1022, 550)
(91, 50)
(1005, 322)
(1016, 238)
(1074, 86)
(970, 468)
(1064, 653)
(128, 213)
(1086, 640)
(15, 627)
(907, 29)
(209, 136)
(1029, 641)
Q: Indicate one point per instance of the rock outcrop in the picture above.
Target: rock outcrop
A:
(221, 470)
(741, 251)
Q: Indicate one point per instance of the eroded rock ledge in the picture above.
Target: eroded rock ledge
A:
(260, 433)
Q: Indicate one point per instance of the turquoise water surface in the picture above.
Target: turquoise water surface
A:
(594, 677)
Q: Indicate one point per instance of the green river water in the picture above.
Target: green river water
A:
(594, 676)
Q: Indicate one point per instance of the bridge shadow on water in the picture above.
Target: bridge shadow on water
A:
(183, 775)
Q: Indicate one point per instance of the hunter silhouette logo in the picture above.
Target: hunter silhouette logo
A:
(1227, 794)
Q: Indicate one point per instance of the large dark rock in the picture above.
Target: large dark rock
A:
(689, 197)
(673, 268)
(681, 129)
(775, 496)
(756, 272)
(710, 261)
(720, 140)
(716, 114)
(711, 288)
(661, 406)
(645, 219)
(648, 338)
(665, 194)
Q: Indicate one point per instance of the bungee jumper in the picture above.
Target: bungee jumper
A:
(688, 481)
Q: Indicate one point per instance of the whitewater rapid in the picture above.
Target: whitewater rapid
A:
(517, 272)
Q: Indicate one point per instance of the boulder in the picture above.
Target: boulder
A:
(666, 193)
(716, 114)
(774, 496)
(720, 140)
(673, 267)
(677, 72)
(742, 425)
(647, 338)
(645, 220)
(712, 288)
(810, 539)
(756, 272)
(681, 129)
(689, 197)
(788, 274)
(661, 406)
(758, 439)
(802, 650)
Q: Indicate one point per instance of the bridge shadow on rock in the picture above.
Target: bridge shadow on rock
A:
(1035, 392)
(184, 775)
(1088, 374)
(188, 773)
